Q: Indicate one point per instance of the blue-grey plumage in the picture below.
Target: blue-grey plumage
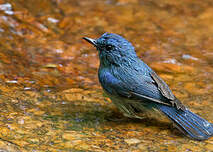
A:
(134, 87)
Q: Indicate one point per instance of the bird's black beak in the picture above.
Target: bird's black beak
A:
(92, 41)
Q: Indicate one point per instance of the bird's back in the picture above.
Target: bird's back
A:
(136, 77)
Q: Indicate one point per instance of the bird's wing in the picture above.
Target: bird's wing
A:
(165, 91)
(162, 86)
(116, 87)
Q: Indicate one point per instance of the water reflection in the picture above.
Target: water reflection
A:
(7, 8)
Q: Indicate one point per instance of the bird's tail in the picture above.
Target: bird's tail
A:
(186, 121)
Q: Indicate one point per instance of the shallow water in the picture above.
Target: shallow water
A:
(50, 96)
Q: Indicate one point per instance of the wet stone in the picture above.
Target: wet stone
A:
(132, 141)
(209, 147)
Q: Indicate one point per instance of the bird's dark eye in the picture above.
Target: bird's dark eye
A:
(108, 47)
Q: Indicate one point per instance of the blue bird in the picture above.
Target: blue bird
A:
(135, 88)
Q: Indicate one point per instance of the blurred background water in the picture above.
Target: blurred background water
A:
(51, 99)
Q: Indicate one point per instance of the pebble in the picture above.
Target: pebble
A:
(131, 141)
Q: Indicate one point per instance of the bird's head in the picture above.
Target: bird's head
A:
(113, 49)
